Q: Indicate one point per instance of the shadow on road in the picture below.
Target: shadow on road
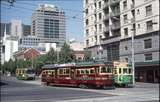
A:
(2, 84)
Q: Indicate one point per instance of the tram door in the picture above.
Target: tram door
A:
(72, 73)
(150, 76)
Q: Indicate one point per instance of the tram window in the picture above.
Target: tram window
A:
(129, 70)
(125, 71)
(115, 71)
(67, 71)
(60, 71)
(120, 71)
(49, 72)
(92, 71)
(103, 70)
(20, 71)
(87, 71)
(82, 71)
(109, 70)
(43, 72)
(52, 72)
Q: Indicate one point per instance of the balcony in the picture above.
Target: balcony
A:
(149, 29)
(115, 13)
(115, 26)
(132, 6)
(95, 32)
(106, 4)
(95, 21)
(106, 16)
(106, 29)
(113, 2)
(95, 11)
(132, 20)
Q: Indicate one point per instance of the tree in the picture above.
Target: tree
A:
(51, 56)
(66, 54)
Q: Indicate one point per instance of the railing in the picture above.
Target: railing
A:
(106, 16)
(95, 11)
(132, 20)
(115, 26)
(106, 29)
(106, 4)
(95, 32)
(115, 13)
(132, 6)
(114, 2)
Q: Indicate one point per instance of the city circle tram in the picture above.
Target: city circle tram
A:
(25, 73)
(84, 75)
(123, 74)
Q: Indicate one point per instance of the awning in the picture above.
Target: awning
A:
(147, 63)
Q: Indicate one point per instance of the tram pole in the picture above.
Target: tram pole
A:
(133, 57)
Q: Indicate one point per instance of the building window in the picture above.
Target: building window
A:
(125, 18)
(86, 11)
(99, 4)
(138, 12)
(86, 1)
(126, 48)
(147, 43)
(87, 31)
(100, 15)
(86, 21)
(149, 10)
(126, 31)
(100, 27)
(125, 5)
(149, 25)
(95, 5)
(87, 42)
(126, 59)
(139, 26)
(148, 57)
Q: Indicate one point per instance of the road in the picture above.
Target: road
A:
(13, 90)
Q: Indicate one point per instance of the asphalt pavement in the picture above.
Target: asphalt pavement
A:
(13, 90)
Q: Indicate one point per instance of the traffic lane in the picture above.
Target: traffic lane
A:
(23, 91)
(11, 82)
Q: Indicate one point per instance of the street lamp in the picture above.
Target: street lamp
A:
(133, 57)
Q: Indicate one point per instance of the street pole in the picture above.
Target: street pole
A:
(133, 59)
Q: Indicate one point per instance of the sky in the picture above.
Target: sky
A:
(23, 9)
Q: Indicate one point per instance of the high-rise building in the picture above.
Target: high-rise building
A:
(48, 22)
(16, 28)
(109, 26)
(23, 28)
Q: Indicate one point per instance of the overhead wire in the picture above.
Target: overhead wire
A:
(32, 10)
(69, 10)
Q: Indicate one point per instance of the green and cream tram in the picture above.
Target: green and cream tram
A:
(123, 75)
(25, 73)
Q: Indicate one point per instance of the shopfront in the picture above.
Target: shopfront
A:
(147, 72)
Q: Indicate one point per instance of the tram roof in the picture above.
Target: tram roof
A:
(79, 64)
(51, 66)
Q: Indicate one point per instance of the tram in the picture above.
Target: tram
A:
(81, 75)
(123, 75)
(25, 74)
